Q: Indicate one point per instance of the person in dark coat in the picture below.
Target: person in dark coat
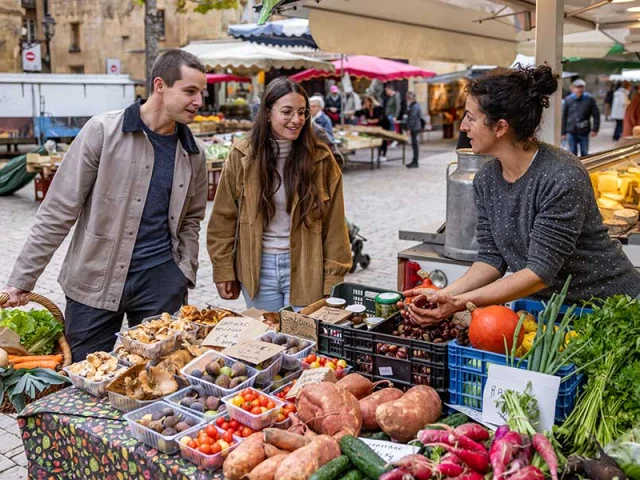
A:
(578, 110)
(414, 126)
(373, 114)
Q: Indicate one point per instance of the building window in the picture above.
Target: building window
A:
(76, 68)
(161, 24)
(31, 28)
(74, 46)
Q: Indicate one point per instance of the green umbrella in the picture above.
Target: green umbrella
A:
(614, 62)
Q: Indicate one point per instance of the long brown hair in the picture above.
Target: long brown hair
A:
(298, 168)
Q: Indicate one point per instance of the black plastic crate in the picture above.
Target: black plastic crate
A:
(357, 294)
(408, 361)
(337, 341)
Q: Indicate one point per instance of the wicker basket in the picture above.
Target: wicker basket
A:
(62, 347)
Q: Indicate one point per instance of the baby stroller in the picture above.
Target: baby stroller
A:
(357, 244)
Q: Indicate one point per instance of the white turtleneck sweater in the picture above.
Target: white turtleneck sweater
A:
(275, 237)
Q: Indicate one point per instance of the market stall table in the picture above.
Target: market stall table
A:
(352, 140)
(74, 434)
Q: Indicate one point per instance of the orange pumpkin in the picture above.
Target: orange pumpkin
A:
(490, 327)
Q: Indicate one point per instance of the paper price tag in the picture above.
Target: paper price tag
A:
(314, 375)
(254, 351)
(298, 325)
(330, 315)
(543, 387)
(386, 371)
(389, 451)
(231, 330)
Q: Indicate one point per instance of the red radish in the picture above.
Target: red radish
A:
(417, 465)
(473, 431)
(477, 461)
(501, 432)
(466, 443)
(433, 436)
(503, 451)
(469, 475)
(545, 450)
(528, 473)
(449, 469)
(396, 474)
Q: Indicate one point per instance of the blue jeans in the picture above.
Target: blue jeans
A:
(274, 288)
(581, 139)
(617, 133)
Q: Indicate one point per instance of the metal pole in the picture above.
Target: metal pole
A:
(549, 33)
(342, 99)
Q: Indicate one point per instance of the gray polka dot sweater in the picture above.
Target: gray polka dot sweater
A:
(548, 221)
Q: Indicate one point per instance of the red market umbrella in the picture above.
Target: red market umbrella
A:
(224, 77)
(368, 67)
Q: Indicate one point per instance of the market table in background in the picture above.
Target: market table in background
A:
(72, 434)
(351, 139)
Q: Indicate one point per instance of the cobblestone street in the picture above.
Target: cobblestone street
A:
(380, 202)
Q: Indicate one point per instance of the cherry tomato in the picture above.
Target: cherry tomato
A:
(249, 397)
(212, 431)
(234, 424)
(220, 421)
(246, 432)
(215, 448)
(247, 407)
(205, 448)
(270, 405)
(281, 418)
(263, 401)
(255, 403)
(256, 411)
(192, 444)
(224, 425)
(230, 431)
(228, 437)
(205, 440)
(310, 358)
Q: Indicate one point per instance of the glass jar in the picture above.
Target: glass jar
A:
(335, 302)
(358, 313)
(387, 304)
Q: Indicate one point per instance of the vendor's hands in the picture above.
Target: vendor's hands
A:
(228, 290)
(593, 134)
(447, 306)
(17, 297)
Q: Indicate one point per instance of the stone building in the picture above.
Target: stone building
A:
(11, 14)
(88, 32)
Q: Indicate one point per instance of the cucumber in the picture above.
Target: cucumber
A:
(454, 420)
(379, 436)
(363, 457)
(354, 474)
(332, 470)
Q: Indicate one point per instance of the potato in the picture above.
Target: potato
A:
(247, 456)
(304, 462)
(267, 469)
(329, 410)
(358, 385)
(401, 419)
(368, 406)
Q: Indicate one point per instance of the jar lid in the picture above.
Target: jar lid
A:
(336, 301)
(373, 321)
(356, 308)
(388, 298)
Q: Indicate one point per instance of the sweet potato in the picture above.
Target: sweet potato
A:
(247, 456)
(402, 419)
(285, 440)
(271, 451)
(358, 385)
(369, 404)
(300, 428)
(329, 410)
(302, 463)
(267, 469)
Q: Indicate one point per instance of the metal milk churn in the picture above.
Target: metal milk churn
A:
(460, 232)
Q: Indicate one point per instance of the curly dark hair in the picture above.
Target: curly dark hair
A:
(517, 95)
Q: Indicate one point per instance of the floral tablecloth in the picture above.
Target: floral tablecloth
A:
(73, 435)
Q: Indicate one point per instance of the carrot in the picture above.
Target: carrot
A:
(34, 358)
(285, 440)
(52, 364)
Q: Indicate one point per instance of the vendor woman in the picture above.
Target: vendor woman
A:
(537, 212)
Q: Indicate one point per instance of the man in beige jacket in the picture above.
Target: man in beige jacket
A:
(134, 183)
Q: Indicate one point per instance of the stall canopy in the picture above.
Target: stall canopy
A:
(226, 77)
(487, 32)
(243, 58)
(367, 67)
(290, 32)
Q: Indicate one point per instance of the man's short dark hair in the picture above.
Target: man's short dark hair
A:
(168, 66)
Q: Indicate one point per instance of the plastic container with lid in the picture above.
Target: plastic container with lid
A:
(373, 321)
(387, 304)
(358, 313)
(336, 302)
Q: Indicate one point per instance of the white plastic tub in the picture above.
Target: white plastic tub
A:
(255, 422)
(292, 361)
(210, 462)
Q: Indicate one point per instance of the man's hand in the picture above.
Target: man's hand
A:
(228, 290)
(593, 134)
(17, 297)
(447, 306)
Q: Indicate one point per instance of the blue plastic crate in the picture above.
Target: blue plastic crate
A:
(535, 308)
(468, 371)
